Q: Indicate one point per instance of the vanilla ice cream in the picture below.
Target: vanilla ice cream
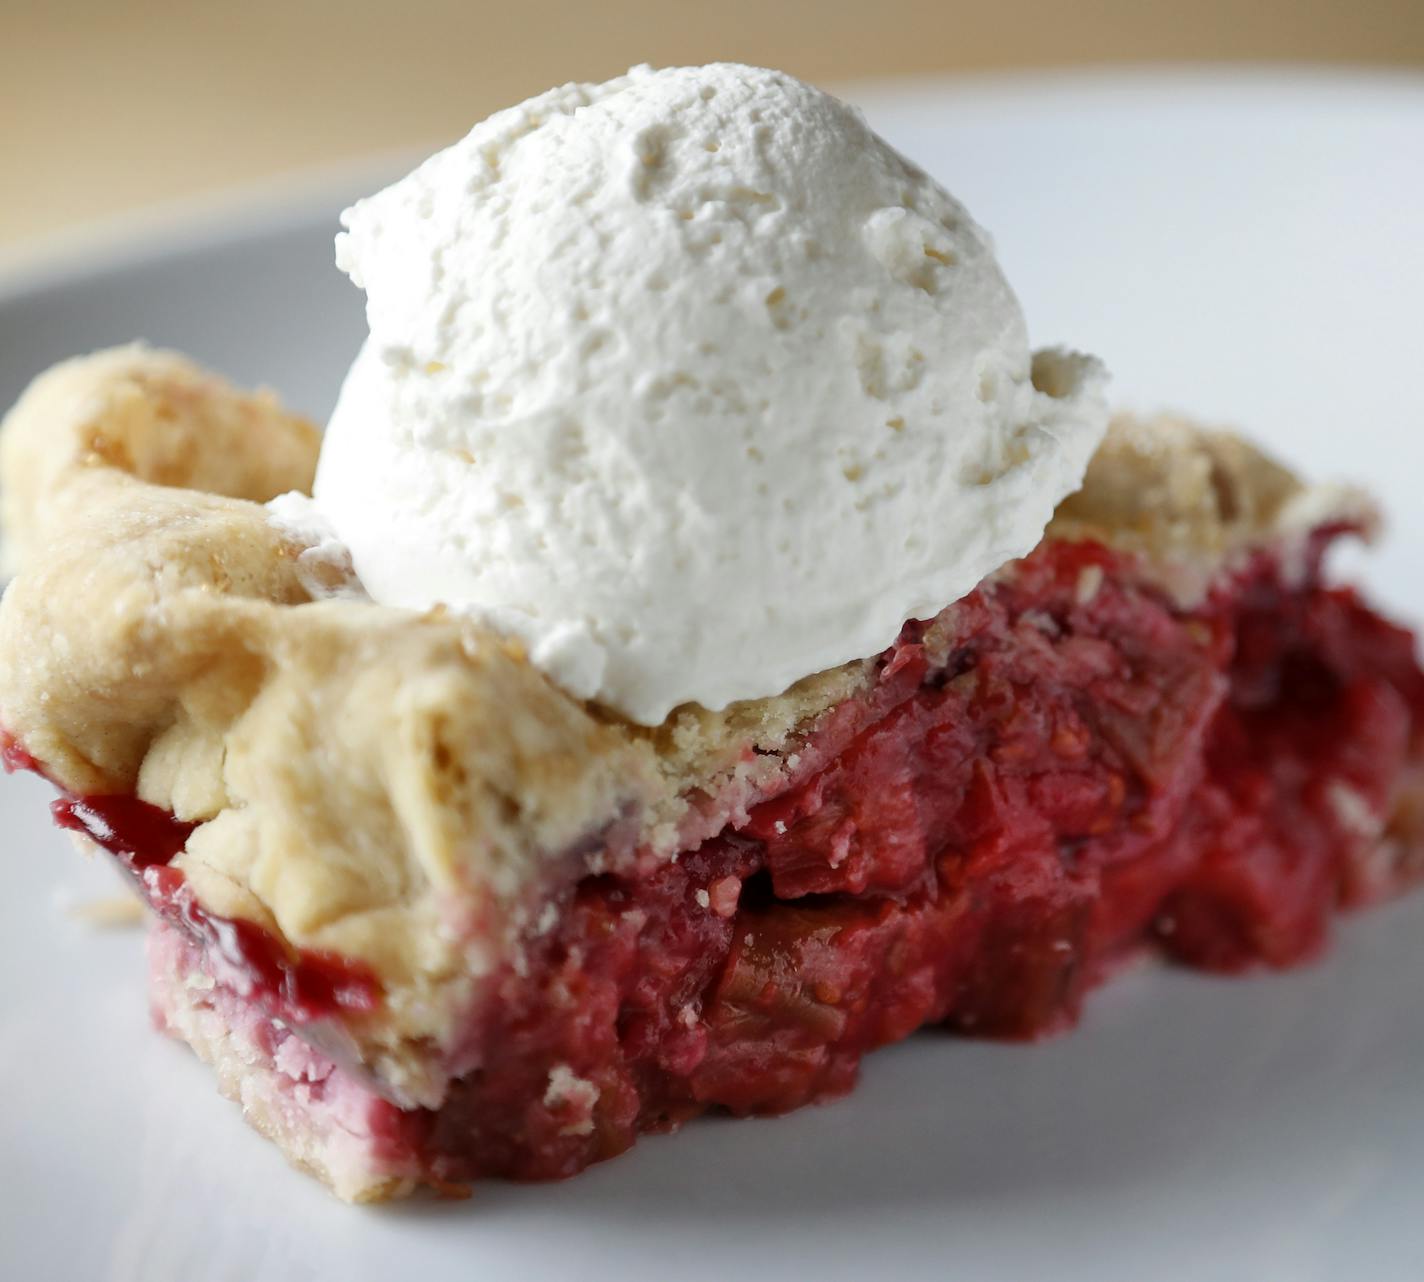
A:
(692, 383)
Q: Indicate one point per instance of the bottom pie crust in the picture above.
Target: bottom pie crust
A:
(324, 1119)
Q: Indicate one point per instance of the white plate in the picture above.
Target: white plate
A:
(1246, 248)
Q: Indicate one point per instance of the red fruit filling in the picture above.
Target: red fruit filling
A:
(297, 986)
(1086, 771)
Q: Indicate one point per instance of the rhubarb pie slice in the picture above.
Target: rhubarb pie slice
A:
(431, 919)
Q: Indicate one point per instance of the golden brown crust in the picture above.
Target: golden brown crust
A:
(153, 415)
(1190, 499)
(360, 774)
(392, 786)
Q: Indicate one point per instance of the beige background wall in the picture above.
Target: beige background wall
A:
(112, 105)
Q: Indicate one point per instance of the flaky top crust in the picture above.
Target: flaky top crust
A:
(396, 787)
(1190, 500)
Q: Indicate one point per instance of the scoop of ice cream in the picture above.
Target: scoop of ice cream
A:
(693, 383)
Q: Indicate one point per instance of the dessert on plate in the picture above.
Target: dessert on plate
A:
(707, 644)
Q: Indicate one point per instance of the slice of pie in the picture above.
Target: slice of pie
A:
(432, 919)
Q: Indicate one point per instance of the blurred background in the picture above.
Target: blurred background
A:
(114, 106)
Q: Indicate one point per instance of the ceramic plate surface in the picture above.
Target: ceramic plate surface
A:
(1246, 248)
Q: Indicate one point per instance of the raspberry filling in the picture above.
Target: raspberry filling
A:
(1086, 771)
(297, 986)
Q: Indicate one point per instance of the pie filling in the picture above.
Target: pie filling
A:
(1086, 771)
(300, 987)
